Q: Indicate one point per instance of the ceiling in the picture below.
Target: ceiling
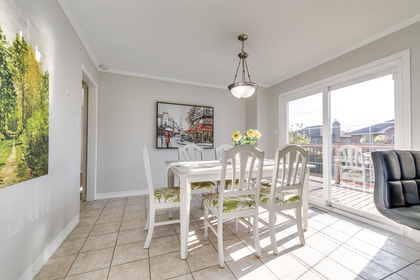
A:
(195, 41)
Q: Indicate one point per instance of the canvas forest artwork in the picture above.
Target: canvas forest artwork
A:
(24, 97)
(179, 124)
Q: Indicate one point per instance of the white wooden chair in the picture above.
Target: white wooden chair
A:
(192, 152)
(219, 150)
(159, 198)
(236, 200)
(289, 172)
(352, 164)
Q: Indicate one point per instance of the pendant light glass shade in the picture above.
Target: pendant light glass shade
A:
(245, 88)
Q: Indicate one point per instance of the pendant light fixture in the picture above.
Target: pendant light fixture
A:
(244, 88)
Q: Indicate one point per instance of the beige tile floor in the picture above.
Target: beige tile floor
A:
(108, 244)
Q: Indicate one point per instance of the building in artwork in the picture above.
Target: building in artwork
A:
(201, 131)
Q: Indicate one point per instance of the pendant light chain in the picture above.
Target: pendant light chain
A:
(249, 76)
(243, 89)
(237, 69)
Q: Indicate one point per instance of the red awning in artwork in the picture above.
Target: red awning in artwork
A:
(190, 130)
(204, 127)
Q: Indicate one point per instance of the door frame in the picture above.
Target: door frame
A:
(92, 135)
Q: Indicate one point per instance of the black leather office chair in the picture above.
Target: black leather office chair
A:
(397, 186)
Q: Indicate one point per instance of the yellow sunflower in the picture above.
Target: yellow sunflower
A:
(250, 133)
(236, 136)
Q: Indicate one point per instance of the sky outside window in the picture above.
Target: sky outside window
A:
(356, 106)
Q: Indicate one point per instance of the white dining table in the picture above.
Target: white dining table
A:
(197, 171)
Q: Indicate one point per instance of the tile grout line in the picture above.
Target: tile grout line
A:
(212, 244)
(396, 272)
(116, 240)
(326, 256)
(148, 251)
(85, 239)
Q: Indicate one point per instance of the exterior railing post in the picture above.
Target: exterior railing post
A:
(337, 164)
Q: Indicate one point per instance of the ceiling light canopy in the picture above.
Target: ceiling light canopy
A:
(243, 89)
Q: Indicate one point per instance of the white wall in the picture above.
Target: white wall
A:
(256, 117)
(36, 215)
(407, 38)
(127, 119)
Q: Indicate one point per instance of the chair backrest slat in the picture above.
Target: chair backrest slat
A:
(245, 163)
(219, 149)
(289, 170)
(148, 174)
(190, 152)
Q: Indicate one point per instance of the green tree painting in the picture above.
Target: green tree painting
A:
(24, 95)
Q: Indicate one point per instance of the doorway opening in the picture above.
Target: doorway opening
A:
(84, 141)
(88, 122)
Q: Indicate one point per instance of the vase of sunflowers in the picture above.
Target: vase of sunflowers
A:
(249, 138)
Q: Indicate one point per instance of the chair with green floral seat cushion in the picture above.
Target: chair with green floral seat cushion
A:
(167, 195)
(280, 198)
(193, 152)
(159, 199)
(241, 164)
(231, 204)
(289, 172)
(228, 184)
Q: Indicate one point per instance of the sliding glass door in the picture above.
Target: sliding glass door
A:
(363, 122)
(305, 129)
(341, 121)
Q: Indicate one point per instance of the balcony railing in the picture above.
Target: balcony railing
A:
(352, 187)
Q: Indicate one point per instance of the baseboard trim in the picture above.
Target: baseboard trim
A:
(49, 251)
(121, 194)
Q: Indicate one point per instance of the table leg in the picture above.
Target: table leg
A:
(171, 178)
(185, 215)
(171, 181)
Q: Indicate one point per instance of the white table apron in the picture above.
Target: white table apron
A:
(189, 172)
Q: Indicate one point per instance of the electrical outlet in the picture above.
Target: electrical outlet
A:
(68, 94)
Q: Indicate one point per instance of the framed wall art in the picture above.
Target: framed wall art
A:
(181, 124)
(24, 96)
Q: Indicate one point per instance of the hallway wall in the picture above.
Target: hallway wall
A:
(36, 215)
